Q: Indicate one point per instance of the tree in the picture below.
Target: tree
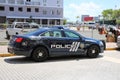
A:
(110, 14)
(64, 21)
(77, 17)
(107, 14)
(116, 14)
(118, 22)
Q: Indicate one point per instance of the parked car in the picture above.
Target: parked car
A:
(20, 28)
(50, 42)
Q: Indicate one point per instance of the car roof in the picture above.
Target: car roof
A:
(41, 30)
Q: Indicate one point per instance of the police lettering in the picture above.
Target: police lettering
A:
(60, 46)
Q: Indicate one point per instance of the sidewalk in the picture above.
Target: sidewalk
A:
(111, 46)
(4, 53)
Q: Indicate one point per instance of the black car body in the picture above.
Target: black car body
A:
(49, 42)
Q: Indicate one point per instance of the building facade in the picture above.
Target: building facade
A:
(45, 12)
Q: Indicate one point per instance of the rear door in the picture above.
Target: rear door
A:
(56, 42)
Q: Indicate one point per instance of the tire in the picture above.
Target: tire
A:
(40, 54)
(93, 51)
(7, 35)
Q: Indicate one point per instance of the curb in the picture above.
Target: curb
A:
(112, 49)
(8, 54)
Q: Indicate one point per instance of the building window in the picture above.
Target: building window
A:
(58, 5)
(11, 1)
(58, 1)
(20, 9)
(2, 8)
(28, 0)
(36, 9)
(52, 12)
(20, 1)
(44, 1)
(28, 9)
(44, 4)
(44, 12)
(58, 12)
(11, 8)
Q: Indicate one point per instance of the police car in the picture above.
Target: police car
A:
(50, 42)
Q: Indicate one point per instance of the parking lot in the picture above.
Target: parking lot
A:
(105, 67)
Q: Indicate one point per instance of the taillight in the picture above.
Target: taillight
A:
(18, 40)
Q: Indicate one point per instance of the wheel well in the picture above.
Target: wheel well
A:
(40, 46)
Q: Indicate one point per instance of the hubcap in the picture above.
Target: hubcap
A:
(93, 51)
(40, 54)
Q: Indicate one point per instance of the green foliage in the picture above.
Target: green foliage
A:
(3, 26)
(111, 14)
(107, 14)
(64, 21)
(118, 21)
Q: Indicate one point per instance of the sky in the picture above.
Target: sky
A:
(73, 8)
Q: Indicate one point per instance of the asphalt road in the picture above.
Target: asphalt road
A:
(105, 67)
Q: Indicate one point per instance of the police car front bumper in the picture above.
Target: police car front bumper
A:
(101, 49)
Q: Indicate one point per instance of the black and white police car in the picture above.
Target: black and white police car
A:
(50, 42)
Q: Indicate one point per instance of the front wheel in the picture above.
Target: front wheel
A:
(40, 54)
(93, 51)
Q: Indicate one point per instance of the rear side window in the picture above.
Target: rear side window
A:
(18, 25)
(34, 26)
(22, 25)
(56, 34)
(26, 26)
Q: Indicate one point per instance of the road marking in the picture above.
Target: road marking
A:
(111, 59)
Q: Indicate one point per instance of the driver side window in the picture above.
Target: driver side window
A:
(71, 35)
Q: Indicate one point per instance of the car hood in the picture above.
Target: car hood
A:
(91, 40)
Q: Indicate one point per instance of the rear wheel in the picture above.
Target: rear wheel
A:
(93, 51)
(40, 54)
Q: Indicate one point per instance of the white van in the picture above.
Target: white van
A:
(20, 28)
